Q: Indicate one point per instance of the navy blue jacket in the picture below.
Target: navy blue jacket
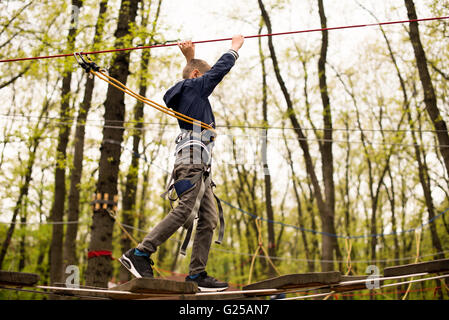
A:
(190, 96)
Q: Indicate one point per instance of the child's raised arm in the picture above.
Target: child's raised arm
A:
(237, 42)
(212, 77)
(187, 49)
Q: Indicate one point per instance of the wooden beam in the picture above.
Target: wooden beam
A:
(18, 279)
(157, 286)
(434, 266)
(301, 280)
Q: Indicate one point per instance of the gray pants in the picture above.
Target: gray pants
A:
(207, 220)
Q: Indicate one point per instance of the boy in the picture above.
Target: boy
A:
(191, 172)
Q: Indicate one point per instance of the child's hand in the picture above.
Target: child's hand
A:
(237, 42)
(187, 49)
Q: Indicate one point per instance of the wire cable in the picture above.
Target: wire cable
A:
(149, 123)
(227, 39)
(149, 128)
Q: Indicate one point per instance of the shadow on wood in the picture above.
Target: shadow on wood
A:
(18, 278)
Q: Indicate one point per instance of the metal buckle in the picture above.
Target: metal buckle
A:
(178, 138)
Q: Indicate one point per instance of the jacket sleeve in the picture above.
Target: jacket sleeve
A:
(212, 78)
(172, 96)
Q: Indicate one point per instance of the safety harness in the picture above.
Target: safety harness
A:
(196, 147)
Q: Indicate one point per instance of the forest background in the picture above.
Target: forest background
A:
(332, 154)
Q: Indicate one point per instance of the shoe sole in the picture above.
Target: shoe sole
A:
(205, 289)
(129, 265)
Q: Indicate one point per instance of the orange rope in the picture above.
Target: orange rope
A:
(348, 258)
(418, 245)
(120, 86)
(260, 247)
(117, 84)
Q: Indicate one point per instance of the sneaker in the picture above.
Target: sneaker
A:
(207, 283)
(138, 265)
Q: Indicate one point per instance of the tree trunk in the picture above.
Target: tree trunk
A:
(423, 173)
(70, 257)
(130, 195)
(419, 154)
(99, 269)
(328, 242)
(22, 246)
(301, 222)
(266, 169)
(42, 268)
(57, 211)
(327, 159)
(430, 99)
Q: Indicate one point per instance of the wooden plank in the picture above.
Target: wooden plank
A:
(18, 278)
(434, 266)
(300, 280)
(157, 286)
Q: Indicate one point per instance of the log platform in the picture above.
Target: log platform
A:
(294, 281)
(435, 266)
(163, 289)
(18, 279)
(158, 286)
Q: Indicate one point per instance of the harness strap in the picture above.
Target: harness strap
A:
(197, 153)
(197, 141)
(190, 220)
(204, 141)
(188, 225)
(170, 186)
(189, 143)
(222, 222)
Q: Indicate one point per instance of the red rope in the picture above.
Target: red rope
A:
(226, 39)
(99, 253)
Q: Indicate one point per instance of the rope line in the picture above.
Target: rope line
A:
(120, 86)
(228, 39)
(348, 246)
(88, 292)
(260, 247)
(332, 234)
(74, 120)
(418, 247)
(118, 127)
(242, 253)
(306, 296)
(113, 215)
(143, 157)
(254, 216)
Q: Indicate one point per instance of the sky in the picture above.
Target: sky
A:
(202, 20)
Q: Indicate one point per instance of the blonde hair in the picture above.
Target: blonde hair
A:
(199, 64)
